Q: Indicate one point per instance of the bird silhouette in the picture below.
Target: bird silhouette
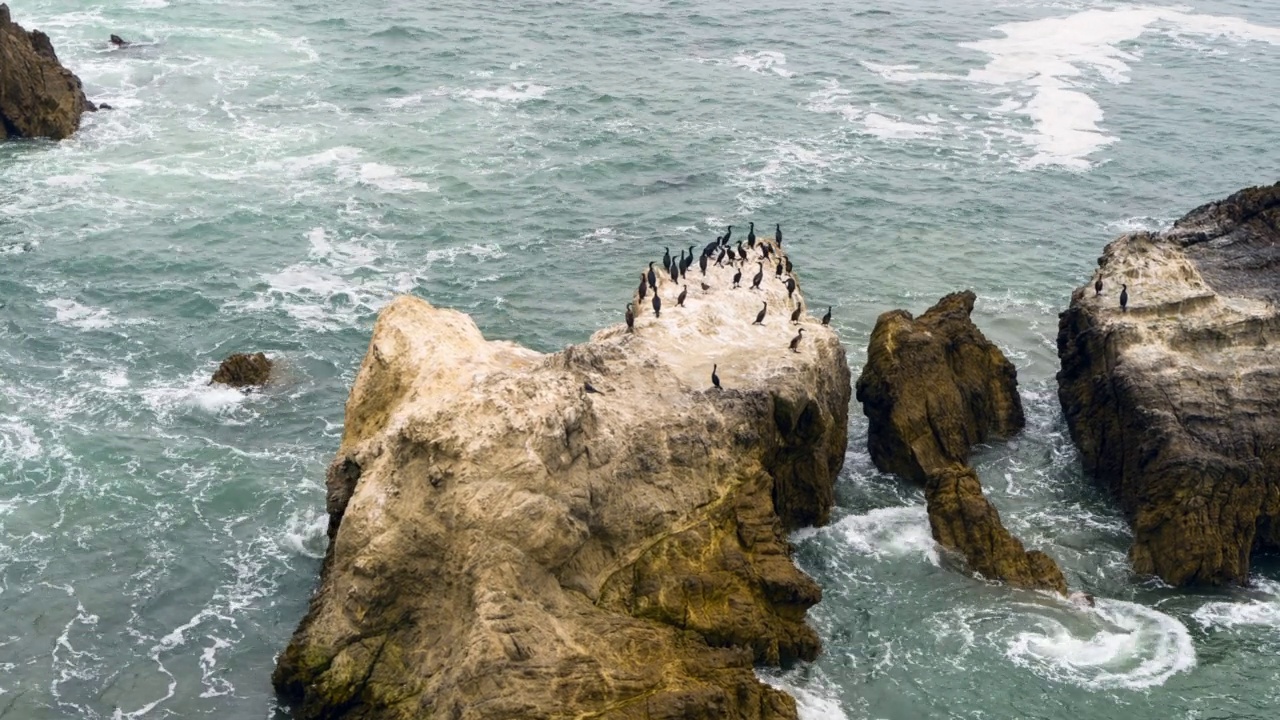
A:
(657, 305)
(826, 319)
(755, 281)
(737, 278)
(760, 315)
(1097, 286)
(1124, 298)
(795, 314)
(683, 294)
(631, 319)
(715, 379)
(795, 341)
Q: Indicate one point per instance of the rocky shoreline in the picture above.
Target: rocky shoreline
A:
(38, 96)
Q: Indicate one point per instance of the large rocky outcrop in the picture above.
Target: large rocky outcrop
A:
(38, 96)
(931, 388)
(1175, 404)
(507, 542)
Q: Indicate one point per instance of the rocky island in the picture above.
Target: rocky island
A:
(595, 533)
(1174, 400)
(38, 96)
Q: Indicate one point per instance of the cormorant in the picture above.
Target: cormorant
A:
(727, 233)
(702, 264)
(778, 272)
(751, 236)
(742, 252)
(653, 279)
(768, 250)
(755, 282)
(777, 234)
(715, 379)
(795, 341)
(675, 272)
(587, 386)
(666, 259)
(1097, 286)
(787, 260)
(657, 305)
(705, 287)
(795, 314)
(688, 262)
(737, 278)
(631, 318)
(1124, 298)
(791, 287)
(826, 319)
(644, 287)
(711, 247)
(720, 258)
(683, 294)
(760, 315)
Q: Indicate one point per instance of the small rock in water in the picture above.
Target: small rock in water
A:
(243, 370)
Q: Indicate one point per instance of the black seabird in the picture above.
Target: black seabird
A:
(588, 387)
(683, 294)
(755, 281)
(795, 314)
(777, 234)
(795, 341)
(720, 258)
(1124, 298)
(727, 233)
(760, 315)
(702, 264)
(737, 278)
(826, 319)
(751, 236)
(711, 247)
(666, 259)
(778, 272)
(742, 252)
(653, 278)
(787, 260)
(675, 272)
(644, 287)
(657, 305)
(1097, 286)
(688, 261)
(705, 287)
(768, 250)
(119, 41)
(631, 318)
(791, 287)
(715, 379)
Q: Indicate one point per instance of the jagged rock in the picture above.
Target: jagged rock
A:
(1175, 404)
(243, 370)
(962, 519)
(934, 386)
(505, 544)
(38, 96)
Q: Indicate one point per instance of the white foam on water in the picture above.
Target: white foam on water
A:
(213, 686)
(1118, 645)
(1049, 59)
(762, 62)
(305, 533)
(815, 697)
(18, 442)
(383, 177)
(905, 73)
(892, 532)
(511, 93)
(1258, 612)
(887, 128)
(85, 317)
(193, 393)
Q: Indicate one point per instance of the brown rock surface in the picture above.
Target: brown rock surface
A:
(962, 519)
(934, 386)
(1175, 404)
(38, 96)
(243, 370)
(504, 544)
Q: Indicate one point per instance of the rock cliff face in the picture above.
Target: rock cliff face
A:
(506, 543)
(934, 386)
(931, 388)
(38, 96)
(1175, 404)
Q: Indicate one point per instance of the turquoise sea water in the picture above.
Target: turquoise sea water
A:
(275, 171)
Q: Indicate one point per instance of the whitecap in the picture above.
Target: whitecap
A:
(763, 61)
(1258, 612)
(513, 93)
(891, 532)
(305, 533)
(73, 314)
(904, 73)
(1115, 645)
(887, 128)
(816, 697)
(385, 178)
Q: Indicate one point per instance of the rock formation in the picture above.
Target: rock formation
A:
(1175, 404)
(934, 386)
(506, 544)
(931, 388)
(38, 96)
(243, 370)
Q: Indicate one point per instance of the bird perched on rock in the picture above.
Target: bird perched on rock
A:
(777, 234)
(631, 318)
(742, 251)
(791, 287)
(589, 388)
(826, 319)
(644, 287)
(711, 247)
(688, 261)
(751, 236)
(1097, 286)
(787, 260)
(705, 287)
(795, 314)
(720, 258)
(727, 233)
(666, 259)
(795, 341)
(715, 379)
(737, 278)
(755, 281)
(683, 294)
(675, 272)
(760, 315)
(657, 305)
(702, 263)
(1124, 298)
(653, 279)
(778, 271)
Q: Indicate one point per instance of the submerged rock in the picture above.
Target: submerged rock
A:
(38, 96)
(1175, 403)
(243, 370)
(934, 386)
(931, 388)
(963, 520)
(506, 544)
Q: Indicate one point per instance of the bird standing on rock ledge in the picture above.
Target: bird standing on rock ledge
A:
(715, 379)
(631, 318)
(657, 304)
(826, 319)
(683, 294)
(795, 341)
(1124, 298)
(760, 315)
(1097, 287)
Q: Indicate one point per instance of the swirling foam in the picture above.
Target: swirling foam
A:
(1258, 612)
(891, 532)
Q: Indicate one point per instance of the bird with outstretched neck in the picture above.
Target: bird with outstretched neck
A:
(760, 315)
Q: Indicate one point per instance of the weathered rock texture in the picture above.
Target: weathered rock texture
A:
(931, 388)
(1175, 404)
(243, 370)
(38, 96)
(962, 519)
(934, 386)
(505, 544)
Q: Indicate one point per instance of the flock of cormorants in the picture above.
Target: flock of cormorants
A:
(738, 257)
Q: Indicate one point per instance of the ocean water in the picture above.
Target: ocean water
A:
(274, 172)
